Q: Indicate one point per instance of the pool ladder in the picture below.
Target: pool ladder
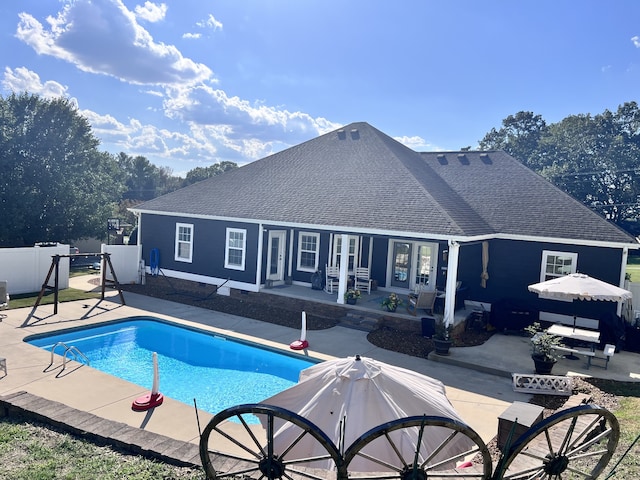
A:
(68, 350)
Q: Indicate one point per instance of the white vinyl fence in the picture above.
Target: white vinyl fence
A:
(25, 269)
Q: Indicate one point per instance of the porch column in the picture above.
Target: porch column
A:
(344, 268)
(450, 286)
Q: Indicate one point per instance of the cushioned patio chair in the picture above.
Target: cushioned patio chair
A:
(424, 300)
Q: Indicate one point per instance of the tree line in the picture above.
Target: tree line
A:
(55, 182)
(57, 185)
(595, 159)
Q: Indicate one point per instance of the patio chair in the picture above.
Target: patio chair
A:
(362, 280)
(332, 279)
(424, 300)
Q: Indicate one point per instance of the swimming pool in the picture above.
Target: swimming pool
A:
(219, 372)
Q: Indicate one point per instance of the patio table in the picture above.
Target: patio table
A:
(590, 336)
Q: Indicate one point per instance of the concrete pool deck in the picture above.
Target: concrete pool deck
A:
(479, 397)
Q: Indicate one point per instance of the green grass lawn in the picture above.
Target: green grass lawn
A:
(65, 295)
(633, 268)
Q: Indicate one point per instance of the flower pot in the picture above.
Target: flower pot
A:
(352, 301)
(442, 346)
(543, 364)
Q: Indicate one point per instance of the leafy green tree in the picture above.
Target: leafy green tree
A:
(596, 159)
(144, 180)
(55, 184)
(202, 173)
(519, 136)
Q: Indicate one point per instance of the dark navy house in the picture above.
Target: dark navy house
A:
(414, 219)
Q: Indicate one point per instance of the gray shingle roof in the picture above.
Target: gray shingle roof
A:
(359, 178)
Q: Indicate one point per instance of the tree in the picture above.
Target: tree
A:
(202, 173)
(519, 137)
(144, 180)
(596, 159)
(55, 185)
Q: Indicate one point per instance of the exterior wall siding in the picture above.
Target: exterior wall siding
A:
(209, 238)
(514, 265)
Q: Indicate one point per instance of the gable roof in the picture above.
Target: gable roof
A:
(359, 179)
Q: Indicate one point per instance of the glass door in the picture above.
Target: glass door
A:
(401, 264)
(425, 260)
(275, 255)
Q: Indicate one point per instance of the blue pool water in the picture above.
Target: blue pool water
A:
(215, 370)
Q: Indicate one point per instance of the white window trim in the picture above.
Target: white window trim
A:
(543, 266)
(316, 252)
(178, 258)
(243, 249)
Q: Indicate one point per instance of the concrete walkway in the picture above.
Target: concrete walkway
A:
(477, 378)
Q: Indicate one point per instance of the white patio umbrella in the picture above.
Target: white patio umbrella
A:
(578, 286)
(349, 396)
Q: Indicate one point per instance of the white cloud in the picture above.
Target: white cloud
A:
(636, 41)
(190, 36)
(24, 80)
(205, 105)
(415, 143)
(210, 22)
(103, 37)
(151, 12)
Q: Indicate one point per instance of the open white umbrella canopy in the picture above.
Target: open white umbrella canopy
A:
(356, 394)
(578, 286)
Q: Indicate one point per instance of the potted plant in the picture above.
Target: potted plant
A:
(351, 296)
(442, 337)
(542, 348)
(391, 302)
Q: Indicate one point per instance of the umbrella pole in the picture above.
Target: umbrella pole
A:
(571, 356)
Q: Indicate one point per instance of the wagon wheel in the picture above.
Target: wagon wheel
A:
(576, 443)
(420, 448)
(233, 444)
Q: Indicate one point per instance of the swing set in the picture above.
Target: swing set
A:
(105, 260)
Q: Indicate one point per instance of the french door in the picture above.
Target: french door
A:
(413, 264)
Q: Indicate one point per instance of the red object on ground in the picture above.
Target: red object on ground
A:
(299, 345)
(146, 402)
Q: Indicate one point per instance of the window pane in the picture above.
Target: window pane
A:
(235, 256)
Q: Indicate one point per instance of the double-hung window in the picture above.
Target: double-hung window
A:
(308, 246)
(235, 251)
(557, 264)
(184, 242)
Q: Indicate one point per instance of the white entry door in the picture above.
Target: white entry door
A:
(275, 255)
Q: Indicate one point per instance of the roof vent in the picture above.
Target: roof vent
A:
(462, 158)
(441, 159)
(355, 134)
(484, 157)
(341, 134)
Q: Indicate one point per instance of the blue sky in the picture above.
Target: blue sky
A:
(188, 83)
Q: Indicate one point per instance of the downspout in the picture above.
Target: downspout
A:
(290, 250)
(259, 259)
(139, 242)
(623, 275)
(344, 268)
(450, 286)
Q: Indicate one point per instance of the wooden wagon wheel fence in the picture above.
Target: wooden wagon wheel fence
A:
(576, 443)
